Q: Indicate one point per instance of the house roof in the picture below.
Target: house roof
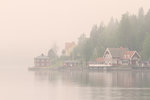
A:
(117, 52)
(69, 45)
(129, 54)
(100, 59)
(42, 56)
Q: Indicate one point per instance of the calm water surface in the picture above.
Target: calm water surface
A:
(21, 84)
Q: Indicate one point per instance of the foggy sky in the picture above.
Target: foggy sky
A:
(30, 27)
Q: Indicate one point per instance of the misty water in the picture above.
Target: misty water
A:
(21, 84)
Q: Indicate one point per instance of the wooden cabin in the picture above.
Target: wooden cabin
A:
(42, 61)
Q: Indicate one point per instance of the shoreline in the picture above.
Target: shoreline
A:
(87, 68)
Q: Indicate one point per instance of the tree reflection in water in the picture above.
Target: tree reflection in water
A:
(115, 85)
(121, 79)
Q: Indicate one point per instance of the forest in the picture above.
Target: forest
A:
(131, 31)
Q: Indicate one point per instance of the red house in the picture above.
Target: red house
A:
(42, 61)
(100, 60)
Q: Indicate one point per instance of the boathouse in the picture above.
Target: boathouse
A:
(99, 62)
(71, 63)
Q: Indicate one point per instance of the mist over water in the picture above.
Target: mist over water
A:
(22, 84)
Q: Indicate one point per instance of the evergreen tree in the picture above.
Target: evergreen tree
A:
(146, 47)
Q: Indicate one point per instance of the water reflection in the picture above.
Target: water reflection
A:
(83, 85)
(120, 79)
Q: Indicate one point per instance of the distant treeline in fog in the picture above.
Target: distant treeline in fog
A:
(132, 31)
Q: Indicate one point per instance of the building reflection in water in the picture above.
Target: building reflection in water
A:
(115, 85)
(126, 79)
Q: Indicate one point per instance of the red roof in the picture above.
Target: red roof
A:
(69, 45)
(128, 54)
(100, 59)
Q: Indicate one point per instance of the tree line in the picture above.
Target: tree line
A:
(132, 31)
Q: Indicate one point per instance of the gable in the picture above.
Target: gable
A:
(135, 56)
(107, 54)
(116, 52)
(128, 54)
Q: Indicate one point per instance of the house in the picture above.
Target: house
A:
(121, 56)
(131, 58)
(71, 63)
(42, 61)
(69, 46)
(112, 56)
(99, 62)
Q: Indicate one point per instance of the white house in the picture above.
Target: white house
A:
(121, 56)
